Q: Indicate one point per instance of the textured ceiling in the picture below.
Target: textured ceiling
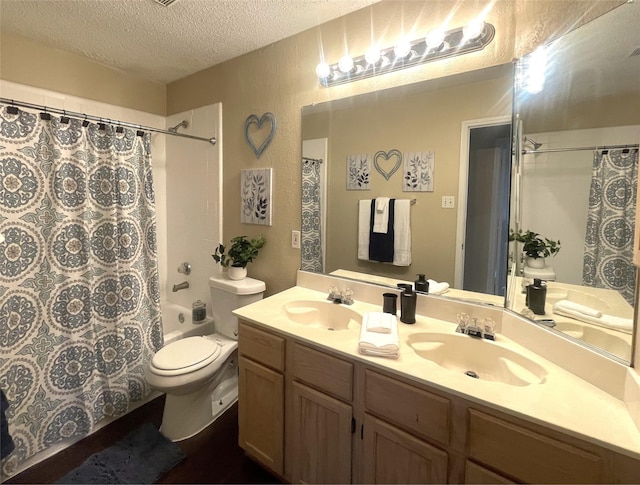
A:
(161, 43)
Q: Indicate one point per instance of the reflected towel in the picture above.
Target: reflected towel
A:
(402, 233)
(607, 321)
(378, 322)
(6, 442)
(436, 288)
(381, 215)
(380, 344)
(381, 244)
(364, 216)
(577, 307)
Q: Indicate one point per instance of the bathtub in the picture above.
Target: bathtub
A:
(174, 329)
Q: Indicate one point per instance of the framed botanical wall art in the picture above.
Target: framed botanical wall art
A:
(418, 172)
(255, 191)
(358, 171)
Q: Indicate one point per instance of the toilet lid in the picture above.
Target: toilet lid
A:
(191, 352)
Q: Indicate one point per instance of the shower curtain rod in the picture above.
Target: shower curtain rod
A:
(84, 116)
(573, 149)
(307, 159)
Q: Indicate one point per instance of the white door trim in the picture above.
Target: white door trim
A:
(463, 180)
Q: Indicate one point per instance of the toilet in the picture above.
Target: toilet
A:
(546, 274)
(200, 374)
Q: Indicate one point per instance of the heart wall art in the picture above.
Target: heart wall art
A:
(259, 132)
(387, 163)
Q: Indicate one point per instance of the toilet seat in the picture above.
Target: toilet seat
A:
(184, 356)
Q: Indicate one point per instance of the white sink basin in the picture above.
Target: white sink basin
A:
(322, 314)
(482, 359)
(608, 341)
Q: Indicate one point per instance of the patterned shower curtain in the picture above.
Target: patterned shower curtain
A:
(311, 244)
(610, 224)
(79, 295)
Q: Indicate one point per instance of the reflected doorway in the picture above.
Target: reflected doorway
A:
(484, 207)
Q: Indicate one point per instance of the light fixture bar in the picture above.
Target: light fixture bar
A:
(454, 44)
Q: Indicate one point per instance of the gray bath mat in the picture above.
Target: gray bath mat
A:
(140, 457)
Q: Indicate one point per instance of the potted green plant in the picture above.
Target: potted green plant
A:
(241, 252)
(535, 247)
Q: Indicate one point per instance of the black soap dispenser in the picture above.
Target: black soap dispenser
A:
(408, 300)
(421, 284)
(537, 296)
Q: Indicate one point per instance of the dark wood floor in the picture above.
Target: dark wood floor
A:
(213, 456)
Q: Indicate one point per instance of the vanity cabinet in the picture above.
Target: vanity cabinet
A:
(321, 418)
(317, 416)
(261, 396)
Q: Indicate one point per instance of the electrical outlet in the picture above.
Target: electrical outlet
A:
(295, 239)
(448, 201)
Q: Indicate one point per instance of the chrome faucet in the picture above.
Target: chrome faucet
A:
(471, 326)
(344, 296)
(180, 286)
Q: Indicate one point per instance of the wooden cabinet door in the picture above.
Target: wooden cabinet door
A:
(322, 432)
(261, 413)
(394, 456)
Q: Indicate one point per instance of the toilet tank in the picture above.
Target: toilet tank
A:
(226, 296)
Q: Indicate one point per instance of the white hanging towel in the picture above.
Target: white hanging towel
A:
(402, 233)
(364, 221)
(380, 344)
(381, 217)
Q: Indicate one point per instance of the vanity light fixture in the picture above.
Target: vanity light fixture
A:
(437, 44)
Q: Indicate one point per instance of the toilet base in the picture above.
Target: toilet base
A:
(186, 415)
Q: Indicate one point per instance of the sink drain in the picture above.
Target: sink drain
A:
(331, 328)
(473, 374)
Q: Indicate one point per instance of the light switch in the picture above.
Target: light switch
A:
(448, 201)
(295, 239)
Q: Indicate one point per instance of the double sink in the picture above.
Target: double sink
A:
(483, 360)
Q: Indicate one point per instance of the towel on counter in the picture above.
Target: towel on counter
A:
(381, 244)
(401, 231)
(577, 307)
(381, 215)
(436, 288)
(378, 322)
(380, 344)
(607, 321)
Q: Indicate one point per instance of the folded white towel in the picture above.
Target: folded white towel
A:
(436, 288)
(364, 222)
(607, 321)
(381, 216)
(402, 233)
(378, 322)
(577, 307)
(380, 344)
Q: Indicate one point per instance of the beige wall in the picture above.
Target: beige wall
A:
(32, 64)
(280, 78)
(423, 121)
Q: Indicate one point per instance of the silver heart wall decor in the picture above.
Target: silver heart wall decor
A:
(254, 120)
(387, 156)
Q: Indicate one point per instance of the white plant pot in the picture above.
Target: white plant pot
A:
(237, 273)
(537, 263)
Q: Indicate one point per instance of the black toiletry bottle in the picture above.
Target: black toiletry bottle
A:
(408, 300)
(537, 296)
(421, 284)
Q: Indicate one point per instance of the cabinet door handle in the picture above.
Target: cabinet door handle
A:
(353, 425)
(362, 431)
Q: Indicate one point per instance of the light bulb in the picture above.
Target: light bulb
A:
(323, 70)
(473, 29)
(372, 55)
(435, 39)
(345, 64)
(402, 48)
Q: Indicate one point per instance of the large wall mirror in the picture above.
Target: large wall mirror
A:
(462, 126)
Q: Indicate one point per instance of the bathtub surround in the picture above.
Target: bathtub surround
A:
(79, 276)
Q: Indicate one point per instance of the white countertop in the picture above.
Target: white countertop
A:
(563, 401)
